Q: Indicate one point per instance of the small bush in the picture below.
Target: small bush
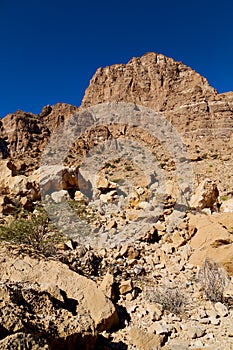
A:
(109, 165)
(224, 198)
(34, 230)
(128, 168)
(213, 279)
(171, 298)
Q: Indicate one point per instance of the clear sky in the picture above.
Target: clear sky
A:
(49, 49)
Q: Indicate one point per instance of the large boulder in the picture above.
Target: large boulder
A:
(213, 239)
(227, 206)
(42, 296)
(206, 195)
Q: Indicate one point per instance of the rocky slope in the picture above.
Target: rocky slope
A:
(167, 287)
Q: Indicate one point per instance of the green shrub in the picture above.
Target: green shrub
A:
(34, 230)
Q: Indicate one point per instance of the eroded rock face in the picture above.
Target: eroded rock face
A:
(153, 80)
(48, 298)
(23, 136)
(202, 117)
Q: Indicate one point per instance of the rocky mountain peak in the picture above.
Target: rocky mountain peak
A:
(153, 80)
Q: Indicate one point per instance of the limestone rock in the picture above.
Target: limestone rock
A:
(221, 309)
(107, 286)
(74, 286)
(103, 184)
(60, 196)
(213, 239)
(22, 340)
(227, 206)
(206, 195)
(152, 77)
(108, 197)
(125, 287)
(145, 341)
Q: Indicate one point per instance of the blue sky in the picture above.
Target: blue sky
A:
(50, 49)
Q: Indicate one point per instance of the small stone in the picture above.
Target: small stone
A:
(107, 286)
(132, 309)
(197, 344)
(59, 196)
(215, 321)
(111, 224)
(155, 311)
(202, 314)
(69, 244)
(211, 313)
(126, 287)
(204, 320)
(194, 332)
(129, 297)
(108, 197)
(159, 328)
(79, 196)
(210, 336)
(221, 309)
(123, 250)
(160, 226)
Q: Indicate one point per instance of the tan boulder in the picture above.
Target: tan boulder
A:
(51, 321)
(102, 183)
(56, 177)
(60, 196)
(206, 195)
(227, 206)
(126, 286)
(213, 239)
(79, 196)
(145, 341)
(55, 274)
(108, 197)
(107, 286)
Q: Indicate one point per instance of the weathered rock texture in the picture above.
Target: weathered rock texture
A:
(24, 135)
(203, 117)
(49, 299)
(213, 239)
(49, 303)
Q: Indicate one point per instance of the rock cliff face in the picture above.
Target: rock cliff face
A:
(167, 86)
(203, 117)
(24, 135)
(153, 80)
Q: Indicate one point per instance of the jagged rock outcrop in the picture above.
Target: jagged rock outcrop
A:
(23, 136)
(152, 80)
(206, 196)
(203, 117)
